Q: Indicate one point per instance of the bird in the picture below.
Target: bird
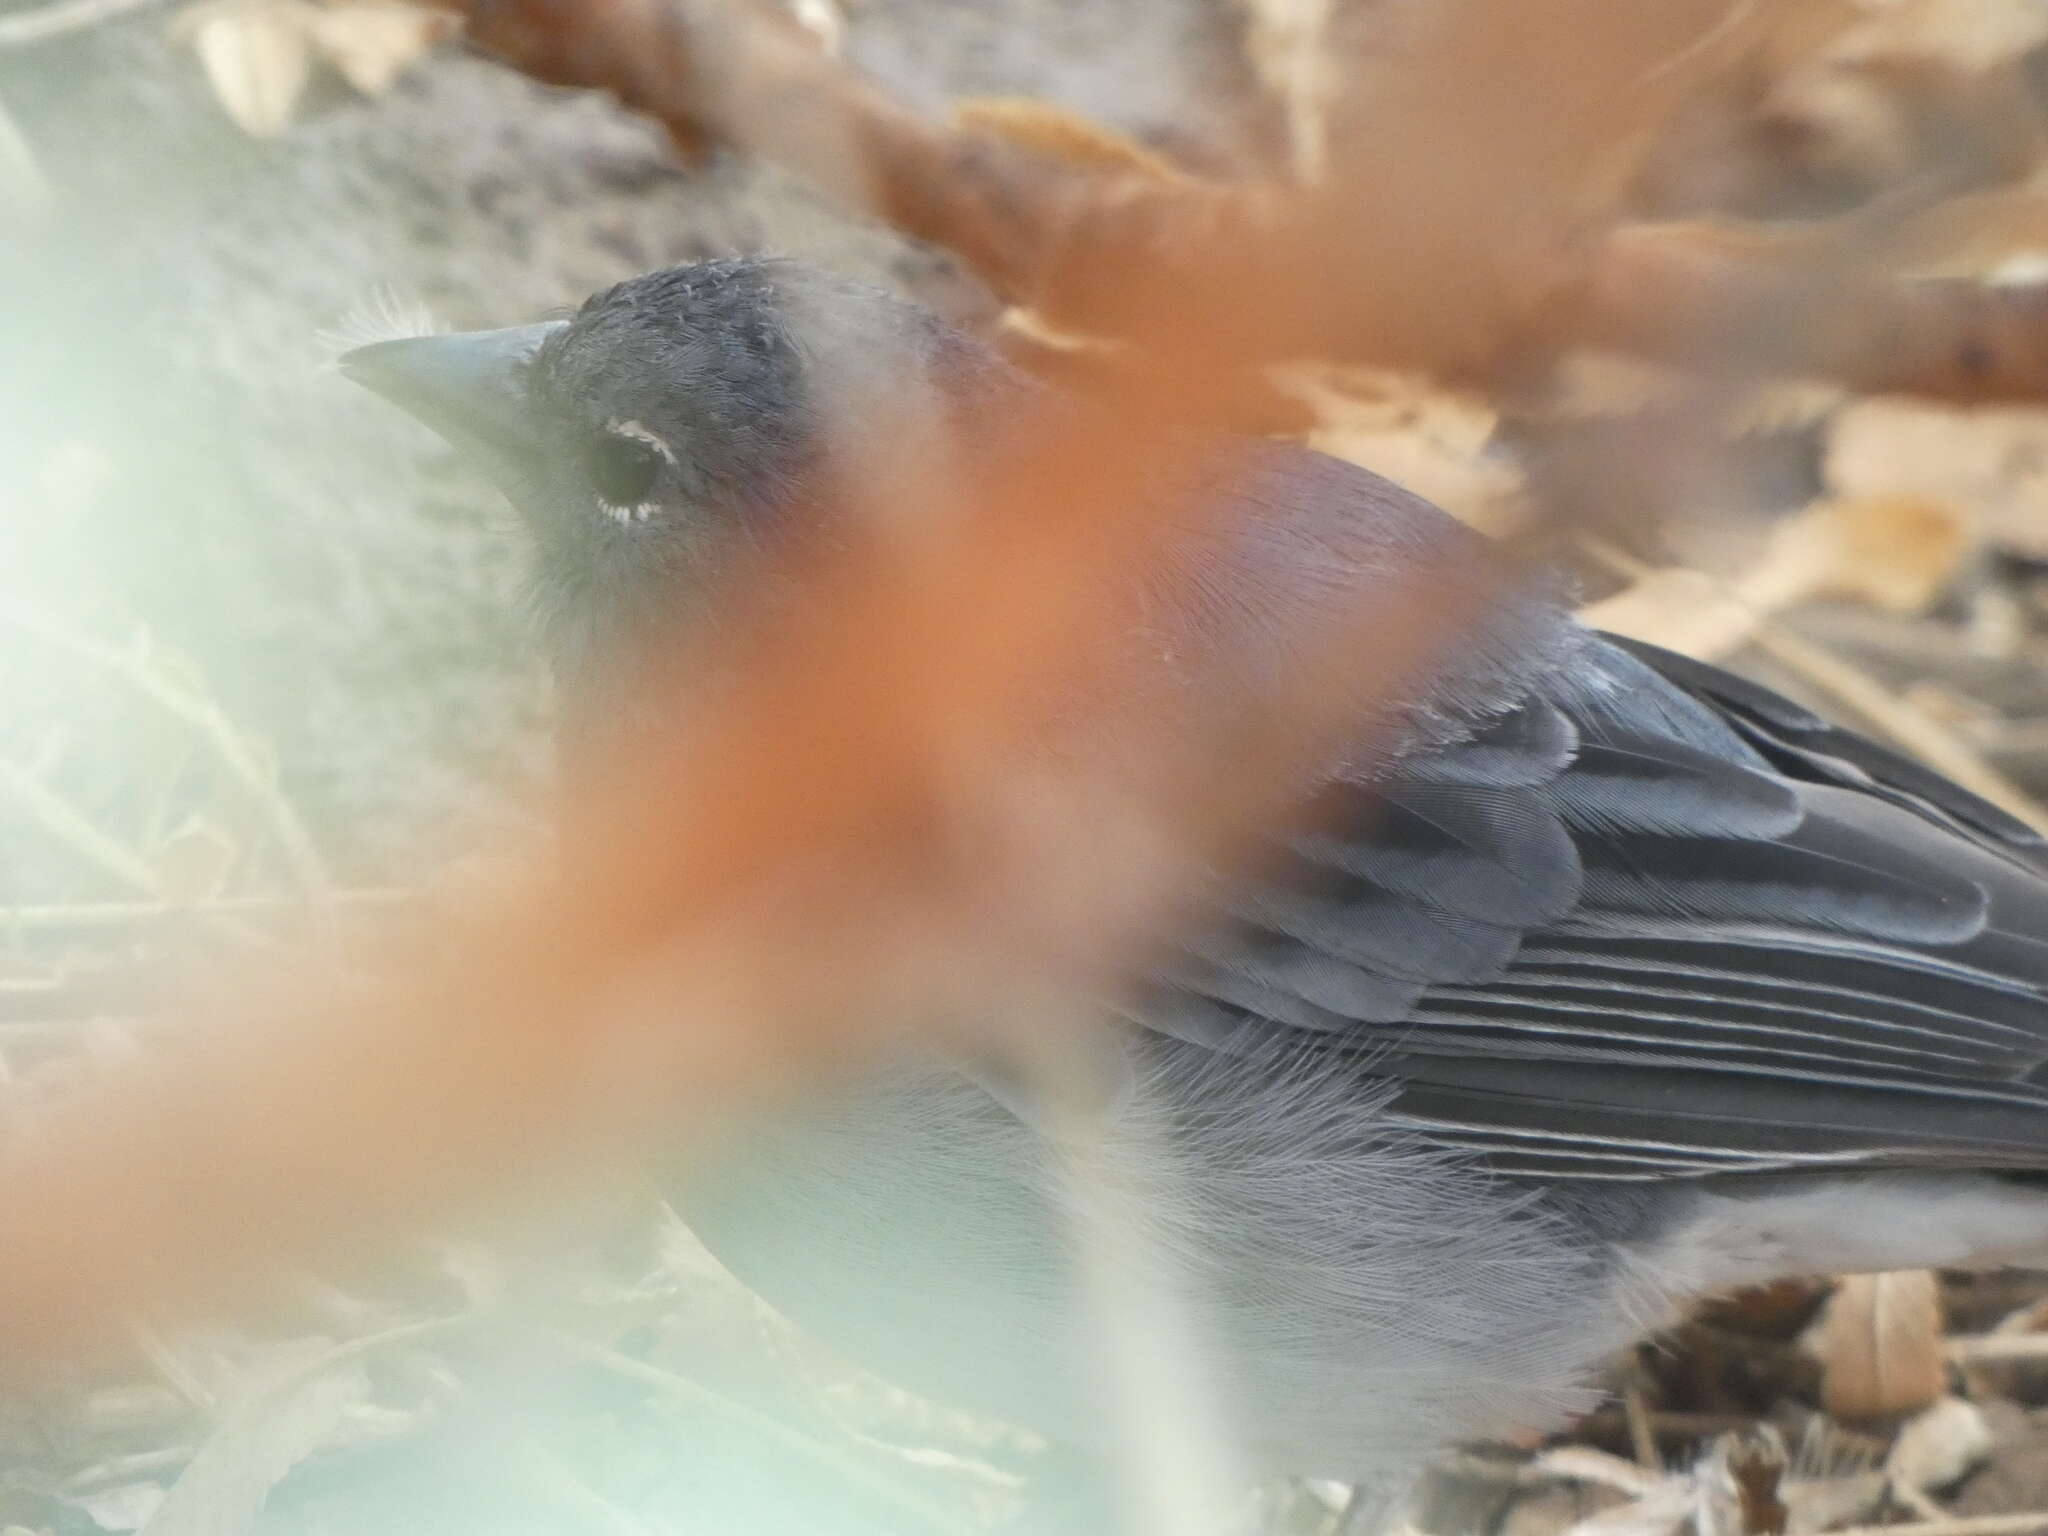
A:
(1609, 980)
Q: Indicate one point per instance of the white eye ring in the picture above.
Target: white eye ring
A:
(639, 512)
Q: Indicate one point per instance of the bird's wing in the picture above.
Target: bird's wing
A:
(1653, 920)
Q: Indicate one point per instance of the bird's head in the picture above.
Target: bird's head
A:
(681, 422)
(691, 435)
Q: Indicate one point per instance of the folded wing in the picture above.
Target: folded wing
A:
(1653, 920)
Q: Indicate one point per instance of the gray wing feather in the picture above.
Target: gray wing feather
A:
(1653, 921)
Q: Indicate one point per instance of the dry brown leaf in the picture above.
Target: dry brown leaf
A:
(1682, 610)
(1654, 609)
(1779, 1310)
(1589, 384)
(1856, 90)
(1991, 460)
(1895, 552)
(370, 45)
(1850, 122)
(1289, 48)
(1430, 439)
(1878, 1341)
(1937, 1446)
(1539, 122)
(823, 20)
(1964, 34)
(1801, 34)
(2000, 235)
(257, 55)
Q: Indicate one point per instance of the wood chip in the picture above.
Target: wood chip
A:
(1878, 1341)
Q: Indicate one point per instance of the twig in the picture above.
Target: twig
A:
(554, 1480)
(72, 827)
(928, 1512)
(71, 916)
(1585, 1463)
(173, 1371)
(1666, 1424)
(1989, 1347)
(1911, 727)
(1503, 252)
(1737, 17)
(1900, 652)
(215, 729)
(1679, 293)
(1642, 1435)
(1459, 282)
(1154, 1378)
(20, 1031)
(135, 1467)
(1911, 1498)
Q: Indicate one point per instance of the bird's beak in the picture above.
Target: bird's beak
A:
(469, 387)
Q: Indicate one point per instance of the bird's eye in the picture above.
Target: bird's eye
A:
(624, 468)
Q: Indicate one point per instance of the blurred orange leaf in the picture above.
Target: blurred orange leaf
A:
(257, 55)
